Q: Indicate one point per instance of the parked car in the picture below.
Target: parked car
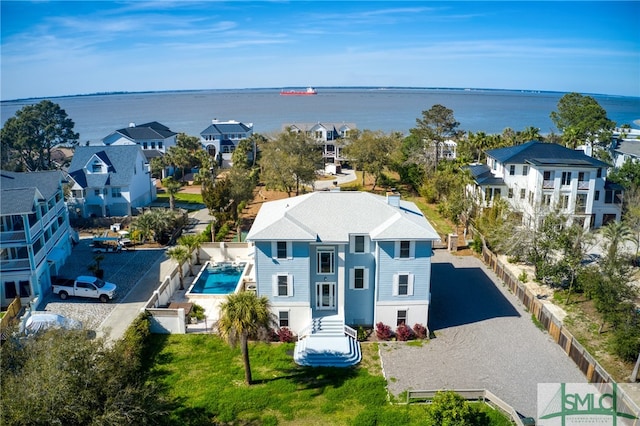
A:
(43, 321)
(106, 245)
(84, 286)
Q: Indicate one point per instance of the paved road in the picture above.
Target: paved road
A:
(484, 340)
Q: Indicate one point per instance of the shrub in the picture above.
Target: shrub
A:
(383, 331)
(523, 276)
(404, 333)
(420, 331)
(285, 335)
(197, 312)
(362, 334)
(476, 244)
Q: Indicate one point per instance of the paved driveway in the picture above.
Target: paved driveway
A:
(484, 340)
(124, 269)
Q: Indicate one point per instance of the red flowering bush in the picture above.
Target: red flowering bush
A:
(285, 335)
(420, 331)
(404, 333)
(383, 331)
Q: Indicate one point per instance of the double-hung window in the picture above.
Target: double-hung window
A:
(359, 278)
(401, 317)
(283, 285)
(325, 260)
(281, 250)
(358, 244)
(405, 249)
(283, 318)
(403, 284)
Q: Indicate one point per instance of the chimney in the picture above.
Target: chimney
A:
(214, 121)
(132, 124)
(393, 198)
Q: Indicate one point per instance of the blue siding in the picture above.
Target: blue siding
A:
(420, 267)
(359, 304)
(298, 266)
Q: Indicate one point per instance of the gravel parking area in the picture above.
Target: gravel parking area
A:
(484, 340)
(124, 269)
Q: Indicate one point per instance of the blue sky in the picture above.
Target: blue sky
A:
(51, 48)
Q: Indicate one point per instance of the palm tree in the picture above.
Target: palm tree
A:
(143, 225)
(615, 233)
(180, 254)
(172, 187)
(192, 242)
(242, 316)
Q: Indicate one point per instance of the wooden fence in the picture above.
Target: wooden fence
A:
(10, 317)
(592, 370)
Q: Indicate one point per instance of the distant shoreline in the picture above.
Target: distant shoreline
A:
(277, 90)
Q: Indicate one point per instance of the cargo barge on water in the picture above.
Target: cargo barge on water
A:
(308, 92)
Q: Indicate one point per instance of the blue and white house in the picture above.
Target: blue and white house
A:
(327, 260)
(35, 236)
(221, 138)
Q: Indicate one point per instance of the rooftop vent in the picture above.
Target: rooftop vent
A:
(393, 198)
(132, 124)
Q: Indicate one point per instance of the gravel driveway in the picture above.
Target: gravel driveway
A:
(124, 269)
(484, 340)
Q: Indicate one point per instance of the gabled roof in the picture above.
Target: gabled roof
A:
(543, 154)
(152, 130)
(120, 160)
(226, 127)
(333, 216)
(19, 190)
(305, 127)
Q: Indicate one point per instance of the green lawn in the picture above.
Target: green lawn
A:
(204, 378)
(182, 197)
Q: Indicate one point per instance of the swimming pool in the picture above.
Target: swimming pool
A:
(218, 278)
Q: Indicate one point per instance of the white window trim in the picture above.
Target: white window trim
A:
(288, 311)
(331, 250)
(352, 278)
(334, 288)
(396, 281)
(274, 282)
(412, 250)
(274, 250)
(352, 244)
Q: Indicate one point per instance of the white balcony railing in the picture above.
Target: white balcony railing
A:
(14, 264)
(13, 236)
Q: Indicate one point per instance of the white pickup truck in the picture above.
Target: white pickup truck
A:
(84, 286)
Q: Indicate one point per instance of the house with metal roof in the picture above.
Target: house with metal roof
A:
(109, 181)
(536, 178)
(221, 138)
(151, 136)
(34, 233)
(329, 261)
(332, 136)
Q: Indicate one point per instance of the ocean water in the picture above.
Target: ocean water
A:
(386, 109)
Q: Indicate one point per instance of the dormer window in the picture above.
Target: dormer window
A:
(97, 167)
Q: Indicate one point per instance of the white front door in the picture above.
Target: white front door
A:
(325, 296)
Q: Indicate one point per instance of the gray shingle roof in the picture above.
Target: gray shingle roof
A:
(548, 154)
(225, 128)
(18, 190)
(152, 130)
(120, 159)
(629, 147)
(334, 216)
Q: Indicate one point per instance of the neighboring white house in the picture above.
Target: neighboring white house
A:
(149, 136)
(221, 138)
(109, 181)
(625, 146)
(332, 136)
(537, 178)
(34, 235)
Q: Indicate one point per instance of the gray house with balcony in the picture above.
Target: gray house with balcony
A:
(34, 234)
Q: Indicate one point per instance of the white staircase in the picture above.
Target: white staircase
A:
(327, 342)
